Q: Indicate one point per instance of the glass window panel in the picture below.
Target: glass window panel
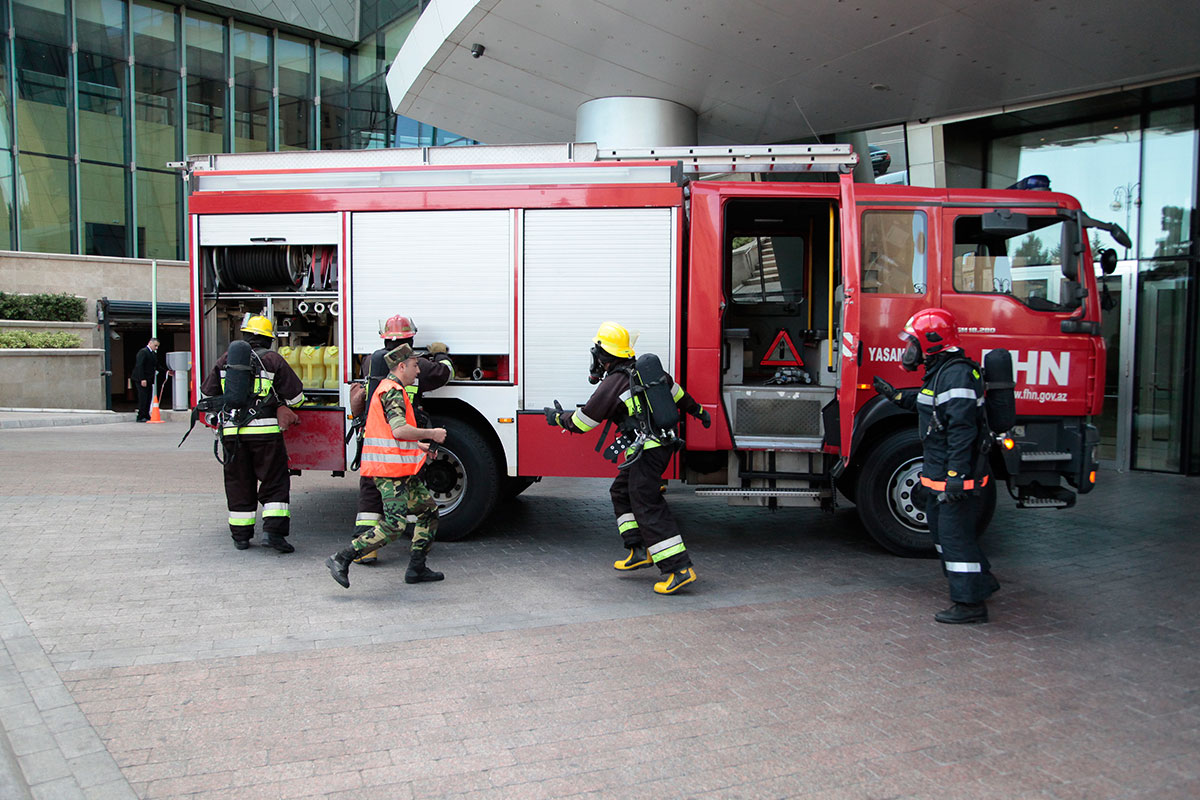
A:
(102, 210)
(1161, 377)
(5, 100)
(335, 99)
(100, 26)
(251, 89)
(368, 59)
(41, 63)
(395, 34)
(44, 192)
(1025, 266)
(894, 249)
(1168, 189)
(369, 116)
(1072, 157)
(205, 84)
(295, 93)
(157, 204)
(6, 200)
(448, 138)
(155, 84)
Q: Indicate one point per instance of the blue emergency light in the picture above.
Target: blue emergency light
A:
(1036, 183)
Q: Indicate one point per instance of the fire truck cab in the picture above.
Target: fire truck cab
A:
(774, 303)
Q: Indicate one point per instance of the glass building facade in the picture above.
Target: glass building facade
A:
(1132, 158)
(97, 96)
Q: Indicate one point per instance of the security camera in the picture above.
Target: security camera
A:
(477, 50)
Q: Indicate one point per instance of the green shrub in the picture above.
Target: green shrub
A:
(43, 307)
(39, 339)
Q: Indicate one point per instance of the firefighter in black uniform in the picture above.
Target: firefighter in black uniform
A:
(953, 426)
(255, 457)
(644, 521)
(436, 369)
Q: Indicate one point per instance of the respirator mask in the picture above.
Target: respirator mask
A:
(912, 356)
(596, 370)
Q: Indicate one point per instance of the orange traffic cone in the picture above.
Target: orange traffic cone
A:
(154, 415)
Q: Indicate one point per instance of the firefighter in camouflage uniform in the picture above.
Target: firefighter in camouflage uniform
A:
(393, 455)
(644, 520)
(435, 369)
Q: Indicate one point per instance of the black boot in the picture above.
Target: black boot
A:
(241, 544)
(339, 565)
(280, 543)
(963, 614)
(418, 572)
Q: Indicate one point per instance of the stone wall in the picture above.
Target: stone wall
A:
(52, 378)
(92, 277)
(35, 378)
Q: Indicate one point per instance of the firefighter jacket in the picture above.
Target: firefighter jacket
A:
(434, 371)
(614, 401)
(950, 419)
(275, 384)
(383, 455)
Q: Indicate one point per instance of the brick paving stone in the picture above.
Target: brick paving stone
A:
(804, 663)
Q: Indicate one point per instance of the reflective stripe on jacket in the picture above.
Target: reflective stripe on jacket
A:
(383, 455)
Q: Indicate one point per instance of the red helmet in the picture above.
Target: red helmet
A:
(934, 330)
(397, 327)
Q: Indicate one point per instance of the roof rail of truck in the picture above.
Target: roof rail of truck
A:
(498, 165)
(712, 158)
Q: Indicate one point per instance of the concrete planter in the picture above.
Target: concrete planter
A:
(37, 378)
(88, 332)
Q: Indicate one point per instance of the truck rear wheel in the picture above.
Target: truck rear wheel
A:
(464, 478)
(890, 472)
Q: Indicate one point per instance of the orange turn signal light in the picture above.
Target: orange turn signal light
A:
(504, 420)
(1092, 476)
(1008, 443)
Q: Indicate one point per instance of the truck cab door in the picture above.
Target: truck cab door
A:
(849, 335)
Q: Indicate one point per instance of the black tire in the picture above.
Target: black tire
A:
(513, 486)
(464, 478)
(889, 473)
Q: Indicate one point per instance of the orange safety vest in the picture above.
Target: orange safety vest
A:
(383, 455)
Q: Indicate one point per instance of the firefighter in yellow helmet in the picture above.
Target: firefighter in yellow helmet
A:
(434, 369)
(644, 402)
(255, 456)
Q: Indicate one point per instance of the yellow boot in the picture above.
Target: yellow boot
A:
(675, 581)
(636, 559)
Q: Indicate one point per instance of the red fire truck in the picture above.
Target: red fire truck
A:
(774, 292)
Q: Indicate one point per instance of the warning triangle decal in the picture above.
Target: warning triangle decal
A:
(782, 353)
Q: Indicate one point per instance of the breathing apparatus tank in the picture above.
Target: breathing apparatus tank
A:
(999, 398)
(650, 384)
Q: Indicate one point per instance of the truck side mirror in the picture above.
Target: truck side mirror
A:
(1108, 261)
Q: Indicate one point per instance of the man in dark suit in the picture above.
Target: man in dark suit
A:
(144, 370)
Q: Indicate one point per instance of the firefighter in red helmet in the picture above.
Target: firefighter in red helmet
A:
(952, 424)
(435, 369)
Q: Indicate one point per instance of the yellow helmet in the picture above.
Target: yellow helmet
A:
(614, 340)
(260, 325)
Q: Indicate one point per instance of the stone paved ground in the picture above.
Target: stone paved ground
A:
(145, 657)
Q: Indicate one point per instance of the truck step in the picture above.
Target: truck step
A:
(1042, 502)
(727, 491)
(1045, 455)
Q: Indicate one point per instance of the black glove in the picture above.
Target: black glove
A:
(704, 417)
(554, 415)
(886, 389)
(955, 490)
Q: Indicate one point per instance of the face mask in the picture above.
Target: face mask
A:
(912, 357)
(596, 371)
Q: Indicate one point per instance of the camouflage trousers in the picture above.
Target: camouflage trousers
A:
(402, 498)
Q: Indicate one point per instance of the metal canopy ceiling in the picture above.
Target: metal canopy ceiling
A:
(753, 70)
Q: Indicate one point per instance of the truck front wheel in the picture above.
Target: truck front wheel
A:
(890, 472)
(464, 478)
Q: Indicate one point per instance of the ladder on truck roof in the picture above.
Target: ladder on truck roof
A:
(498, 165)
